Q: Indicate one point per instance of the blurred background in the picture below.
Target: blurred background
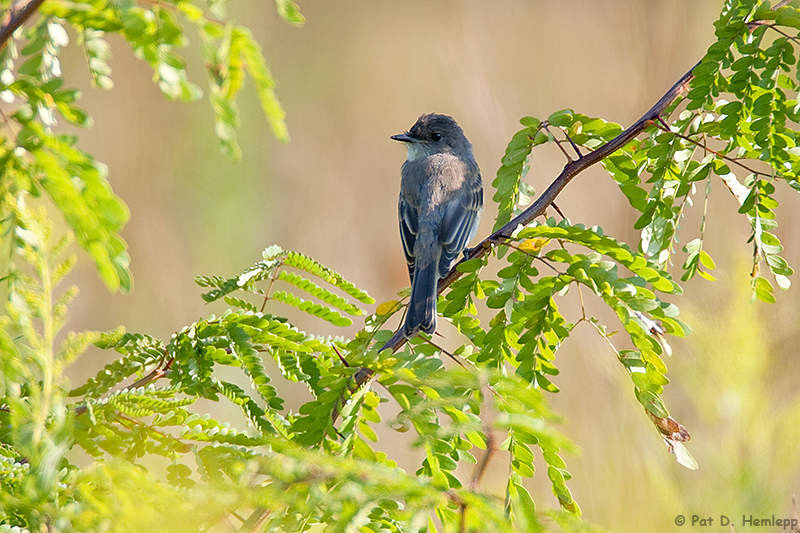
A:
(360, 71)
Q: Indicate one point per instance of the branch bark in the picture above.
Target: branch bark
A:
(570, 170)
(16, 17)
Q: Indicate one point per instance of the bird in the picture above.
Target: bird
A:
(441, 200)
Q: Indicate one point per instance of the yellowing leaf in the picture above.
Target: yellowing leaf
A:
(533, 245)
(388, 307)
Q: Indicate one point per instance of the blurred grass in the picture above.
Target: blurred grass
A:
(360, 71)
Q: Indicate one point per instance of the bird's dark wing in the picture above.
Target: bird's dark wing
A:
(408, 232)
(460, 221)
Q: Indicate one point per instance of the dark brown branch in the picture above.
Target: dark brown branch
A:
(571, 169)
(16, 17)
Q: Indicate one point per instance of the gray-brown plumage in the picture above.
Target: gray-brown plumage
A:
(441, 199)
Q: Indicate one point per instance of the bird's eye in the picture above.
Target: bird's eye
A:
(436, 136)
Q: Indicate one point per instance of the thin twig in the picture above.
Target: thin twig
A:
(558, 210)
(774, 28)
(157, 373)
(662, 126)
(255, 520)
(16, 17)
(558, 143)
(448, 354)
(131, 421)
(574, 146)
(491, 448)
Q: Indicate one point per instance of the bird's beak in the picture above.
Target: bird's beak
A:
(404, 138)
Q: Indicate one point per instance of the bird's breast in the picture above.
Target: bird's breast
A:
(433, 180)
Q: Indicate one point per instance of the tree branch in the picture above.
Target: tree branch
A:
(255, 520)
(16, 17)
(571, 169)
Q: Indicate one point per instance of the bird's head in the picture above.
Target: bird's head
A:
(433, 134)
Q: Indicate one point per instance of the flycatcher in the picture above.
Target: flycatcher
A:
(441, 200)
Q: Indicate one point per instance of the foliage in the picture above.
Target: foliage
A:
(768, 413)
(152, 452)
(34, 159)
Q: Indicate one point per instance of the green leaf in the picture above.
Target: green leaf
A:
(706, 260)
(319, 292)
(264, 82)
(79, 188)
(289, 11)
(320, 311)
(471, 265)
(652, 403)
(561, 118)
(303, 262)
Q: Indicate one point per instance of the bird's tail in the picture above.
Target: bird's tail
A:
(421, 314)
